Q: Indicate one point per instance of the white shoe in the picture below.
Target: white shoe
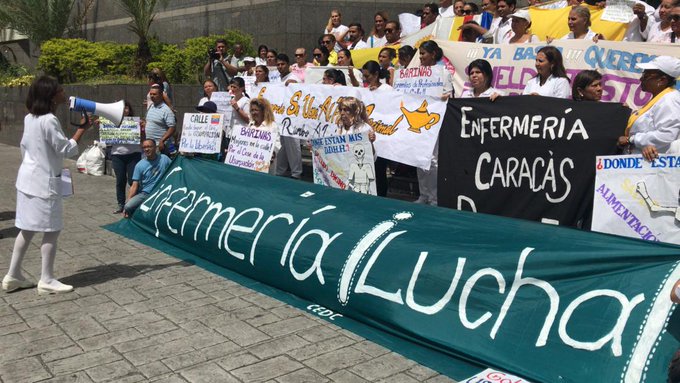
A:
(421, 200)
(10, 284)
(54, 287)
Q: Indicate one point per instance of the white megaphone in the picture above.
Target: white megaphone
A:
(112, 112)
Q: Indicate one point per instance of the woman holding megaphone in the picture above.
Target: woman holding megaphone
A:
(39, 205)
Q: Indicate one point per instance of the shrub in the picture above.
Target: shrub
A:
(73, 60)
(186, 65)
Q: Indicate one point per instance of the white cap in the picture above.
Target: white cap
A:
(522, 14)
(666, 64)
(248, 59)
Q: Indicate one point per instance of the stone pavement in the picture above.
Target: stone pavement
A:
(140, 315)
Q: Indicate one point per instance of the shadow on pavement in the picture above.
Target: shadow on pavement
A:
(103, 273)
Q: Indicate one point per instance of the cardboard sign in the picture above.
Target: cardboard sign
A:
(251, 148)
(201, 133)
(127, 133)
(344, 162)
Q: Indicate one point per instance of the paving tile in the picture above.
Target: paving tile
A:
(131, 321)
(337, 360)
(321, 347)
(61, 353)
(238, 331)
(304, 375)
(83, 361)
(421, 373)
(237, 360)
(37, 347)
(208, 373)
(83, 327)
(77, 377)
(159, 327)
(23, 370)
(288, 326)
(277, 346)
(112, 371)
(158, 352)
(382, 366)
(153, 369)
(399, 378)
(267, 369)
(344, 376)
(110, 339)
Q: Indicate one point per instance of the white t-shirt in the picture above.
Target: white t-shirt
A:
(360, 45)
(654, 34)
(510, 34)
(589, 35)
(660, 125)
(468, 93)
(236, 121)
(553, 87)
(337, 31)
(290, 76)
(446, 12)
(376, 42)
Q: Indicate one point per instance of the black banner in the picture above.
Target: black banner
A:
(525, 157)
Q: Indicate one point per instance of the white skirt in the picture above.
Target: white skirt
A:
(39, 214)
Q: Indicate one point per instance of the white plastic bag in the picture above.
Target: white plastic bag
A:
(81, 163)
(95, 160)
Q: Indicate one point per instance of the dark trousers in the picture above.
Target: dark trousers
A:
(381, 176)
(123, 166)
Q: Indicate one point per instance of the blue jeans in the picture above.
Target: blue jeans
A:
(134, 203)
(123, 166)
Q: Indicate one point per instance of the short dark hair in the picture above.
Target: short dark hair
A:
(283, 57)
(406, 51)
(373, 67)
(433, 8)
(484, 67)
(337, 76)
(223, 41)
(432, 48)
(582, 80)
(359, 27)
(40, 95)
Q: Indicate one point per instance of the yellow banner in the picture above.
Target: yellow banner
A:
(553, 23)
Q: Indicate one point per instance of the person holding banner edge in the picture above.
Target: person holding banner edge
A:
(39, 185)
(655, 128)
(262, 117)
(430, 55)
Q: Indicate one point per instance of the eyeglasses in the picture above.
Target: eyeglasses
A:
(675, 18)
(299, 55)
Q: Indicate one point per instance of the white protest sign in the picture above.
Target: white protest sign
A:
(274, 75)
(201, 133)
(223, 102)
(344, 162)
(492, 376)
(127, 133)
(407, 126)
(251, 148)
(618, 11)
(424, 80)
(637, 198)
(250, 83)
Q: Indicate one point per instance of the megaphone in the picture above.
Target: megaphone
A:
(113, 111)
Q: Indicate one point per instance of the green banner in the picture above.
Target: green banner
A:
(546, 303)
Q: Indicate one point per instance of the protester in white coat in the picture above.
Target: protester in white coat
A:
(39, 188)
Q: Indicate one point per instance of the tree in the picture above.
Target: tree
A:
(142, 13)
(39, 20)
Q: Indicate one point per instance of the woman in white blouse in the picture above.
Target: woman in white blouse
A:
(39, 185)
(579, 25)
(551, 78)
(262, 117)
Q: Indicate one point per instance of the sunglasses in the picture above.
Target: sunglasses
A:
(317, 55)
(327, 41)
(299, 55)
(389, 30)
(467, 12)
(675, 18)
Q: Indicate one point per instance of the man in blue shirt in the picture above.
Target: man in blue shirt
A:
(147, 173)
(160, 120)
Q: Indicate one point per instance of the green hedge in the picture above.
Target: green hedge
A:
(185, 65)
(77, 60)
